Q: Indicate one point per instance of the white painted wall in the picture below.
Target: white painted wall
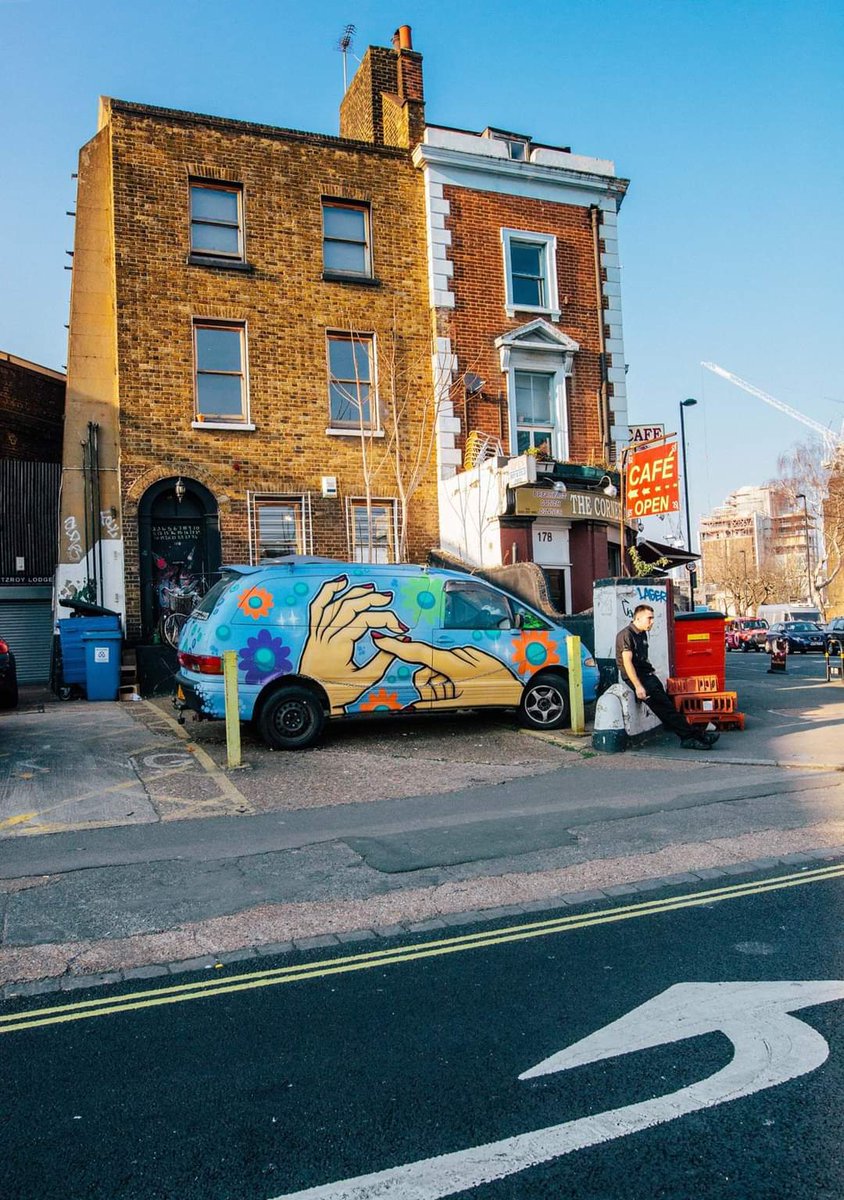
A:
(470, 505)
(614, 605)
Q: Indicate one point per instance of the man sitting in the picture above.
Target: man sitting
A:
(631, 655)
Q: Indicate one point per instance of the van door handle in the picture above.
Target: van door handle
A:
(445, 641)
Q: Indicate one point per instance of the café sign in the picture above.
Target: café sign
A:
(645, 433)
(652, 481)
(570, 506)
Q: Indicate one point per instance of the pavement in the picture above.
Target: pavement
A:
(127, 849)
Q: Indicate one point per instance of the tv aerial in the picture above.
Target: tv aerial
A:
(344, 45)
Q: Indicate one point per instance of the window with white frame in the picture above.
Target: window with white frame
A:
(220, 372)
(351, 371)
(535, 416)
(372, 531)
(530, 272)
(216, 220)
(345, 238)
(280, 526)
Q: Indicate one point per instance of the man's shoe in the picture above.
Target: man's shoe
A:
(695, 743)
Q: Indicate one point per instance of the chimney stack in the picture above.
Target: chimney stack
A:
(385, 102)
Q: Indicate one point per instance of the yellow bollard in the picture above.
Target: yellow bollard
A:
(578, 720)
(232, 708)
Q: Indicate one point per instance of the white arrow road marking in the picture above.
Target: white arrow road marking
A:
(770, 1046)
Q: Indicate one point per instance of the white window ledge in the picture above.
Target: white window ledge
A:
(376, 433)
(239, 426)
(552, 313)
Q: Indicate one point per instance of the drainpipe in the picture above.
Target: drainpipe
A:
(603, 393)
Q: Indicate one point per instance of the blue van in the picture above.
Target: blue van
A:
(317, 638)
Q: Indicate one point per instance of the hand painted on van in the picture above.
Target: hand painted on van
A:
(443, 682)
(339, 616)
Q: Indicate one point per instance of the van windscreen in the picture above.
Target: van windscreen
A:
(213, 594)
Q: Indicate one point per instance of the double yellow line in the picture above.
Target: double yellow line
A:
(217, 986)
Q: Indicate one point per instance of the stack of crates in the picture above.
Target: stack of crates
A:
(697, 697)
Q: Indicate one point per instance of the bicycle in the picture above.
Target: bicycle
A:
(179, 601)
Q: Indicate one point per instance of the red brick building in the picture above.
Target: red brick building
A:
(524, 281)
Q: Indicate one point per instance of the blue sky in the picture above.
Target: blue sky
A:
(726, 117)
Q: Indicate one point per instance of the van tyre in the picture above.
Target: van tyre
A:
(545, 703)
(291, 719)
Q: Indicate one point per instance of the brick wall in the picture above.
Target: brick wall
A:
(475, 221)
(31, 412)
(384, 102)
(287, 307)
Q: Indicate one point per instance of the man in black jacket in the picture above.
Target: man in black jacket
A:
(631, 655)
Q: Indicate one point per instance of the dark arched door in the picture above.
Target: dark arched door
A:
(179, 546)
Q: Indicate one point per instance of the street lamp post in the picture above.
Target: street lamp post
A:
(683, 405)
(802, 496)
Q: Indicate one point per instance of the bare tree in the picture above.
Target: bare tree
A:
(809, 471)
(395, 407)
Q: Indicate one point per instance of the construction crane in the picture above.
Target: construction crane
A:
(832, 442)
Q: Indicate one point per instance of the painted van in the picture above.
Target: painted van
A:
(319, 638)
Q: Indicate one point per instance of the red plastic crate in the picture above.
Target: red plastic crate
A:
(713, 702)
(691, 684)
(731, 720)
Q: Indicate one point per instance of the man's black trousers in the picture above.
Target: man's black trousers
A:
(662, 706)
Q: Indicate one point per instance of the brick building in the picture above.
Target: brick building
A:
(525, 284)
(286, 342)
(249, 345)
(31, 421)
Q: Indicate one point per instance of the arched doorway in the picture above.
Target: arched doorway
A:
(178, 545)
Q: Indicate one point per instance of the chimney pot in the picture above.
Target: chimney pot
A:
(403, 38)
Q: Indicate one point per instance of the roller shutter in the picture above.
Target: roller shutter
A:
(27, 625)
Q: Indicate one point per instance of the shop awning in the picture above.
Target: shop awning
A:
(651, 552)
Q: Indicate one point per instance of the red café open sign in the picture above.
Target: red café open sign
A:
(652, 481)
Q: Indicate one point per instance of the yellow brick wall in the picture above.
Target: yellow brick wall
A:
(285, 302)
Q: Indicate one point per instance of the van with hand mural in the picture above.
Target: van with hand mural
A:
(318, 639)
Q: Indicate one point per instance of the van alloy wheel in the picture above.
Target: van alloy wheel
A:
(545, 703)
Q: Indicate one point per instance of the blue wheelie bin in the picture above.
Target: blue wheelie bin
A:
(102, 663)
(87, 618)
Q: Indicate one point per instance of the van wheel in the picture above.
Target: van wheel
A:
(545, 703)
(291, 719)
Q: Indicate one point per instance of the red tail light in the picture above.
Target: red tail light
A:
(4, 649)
(202, 664)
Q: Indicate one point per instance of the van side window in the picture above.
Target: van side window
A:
(529, 619)
(470, 605)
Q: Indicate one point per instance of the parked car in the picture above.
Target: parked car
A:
(319, 638)
(745, 633)
(801, 636)
(8, 677)
(834, 630)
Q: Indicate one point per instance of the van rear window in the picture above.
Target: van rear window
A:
(206, 604)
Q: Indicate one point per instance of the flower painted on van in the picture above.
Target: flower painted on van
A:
(255, 603)
(381, 701)
(532, 651)
(263, 656)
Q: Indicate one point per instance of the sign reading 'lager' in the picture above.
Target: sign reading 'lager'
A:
(652, 481)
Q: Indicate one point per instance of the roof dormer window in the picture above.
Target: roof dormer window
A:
(518, 145)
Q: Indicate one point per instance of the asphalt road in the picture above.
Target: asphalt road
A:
(237, 1084)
